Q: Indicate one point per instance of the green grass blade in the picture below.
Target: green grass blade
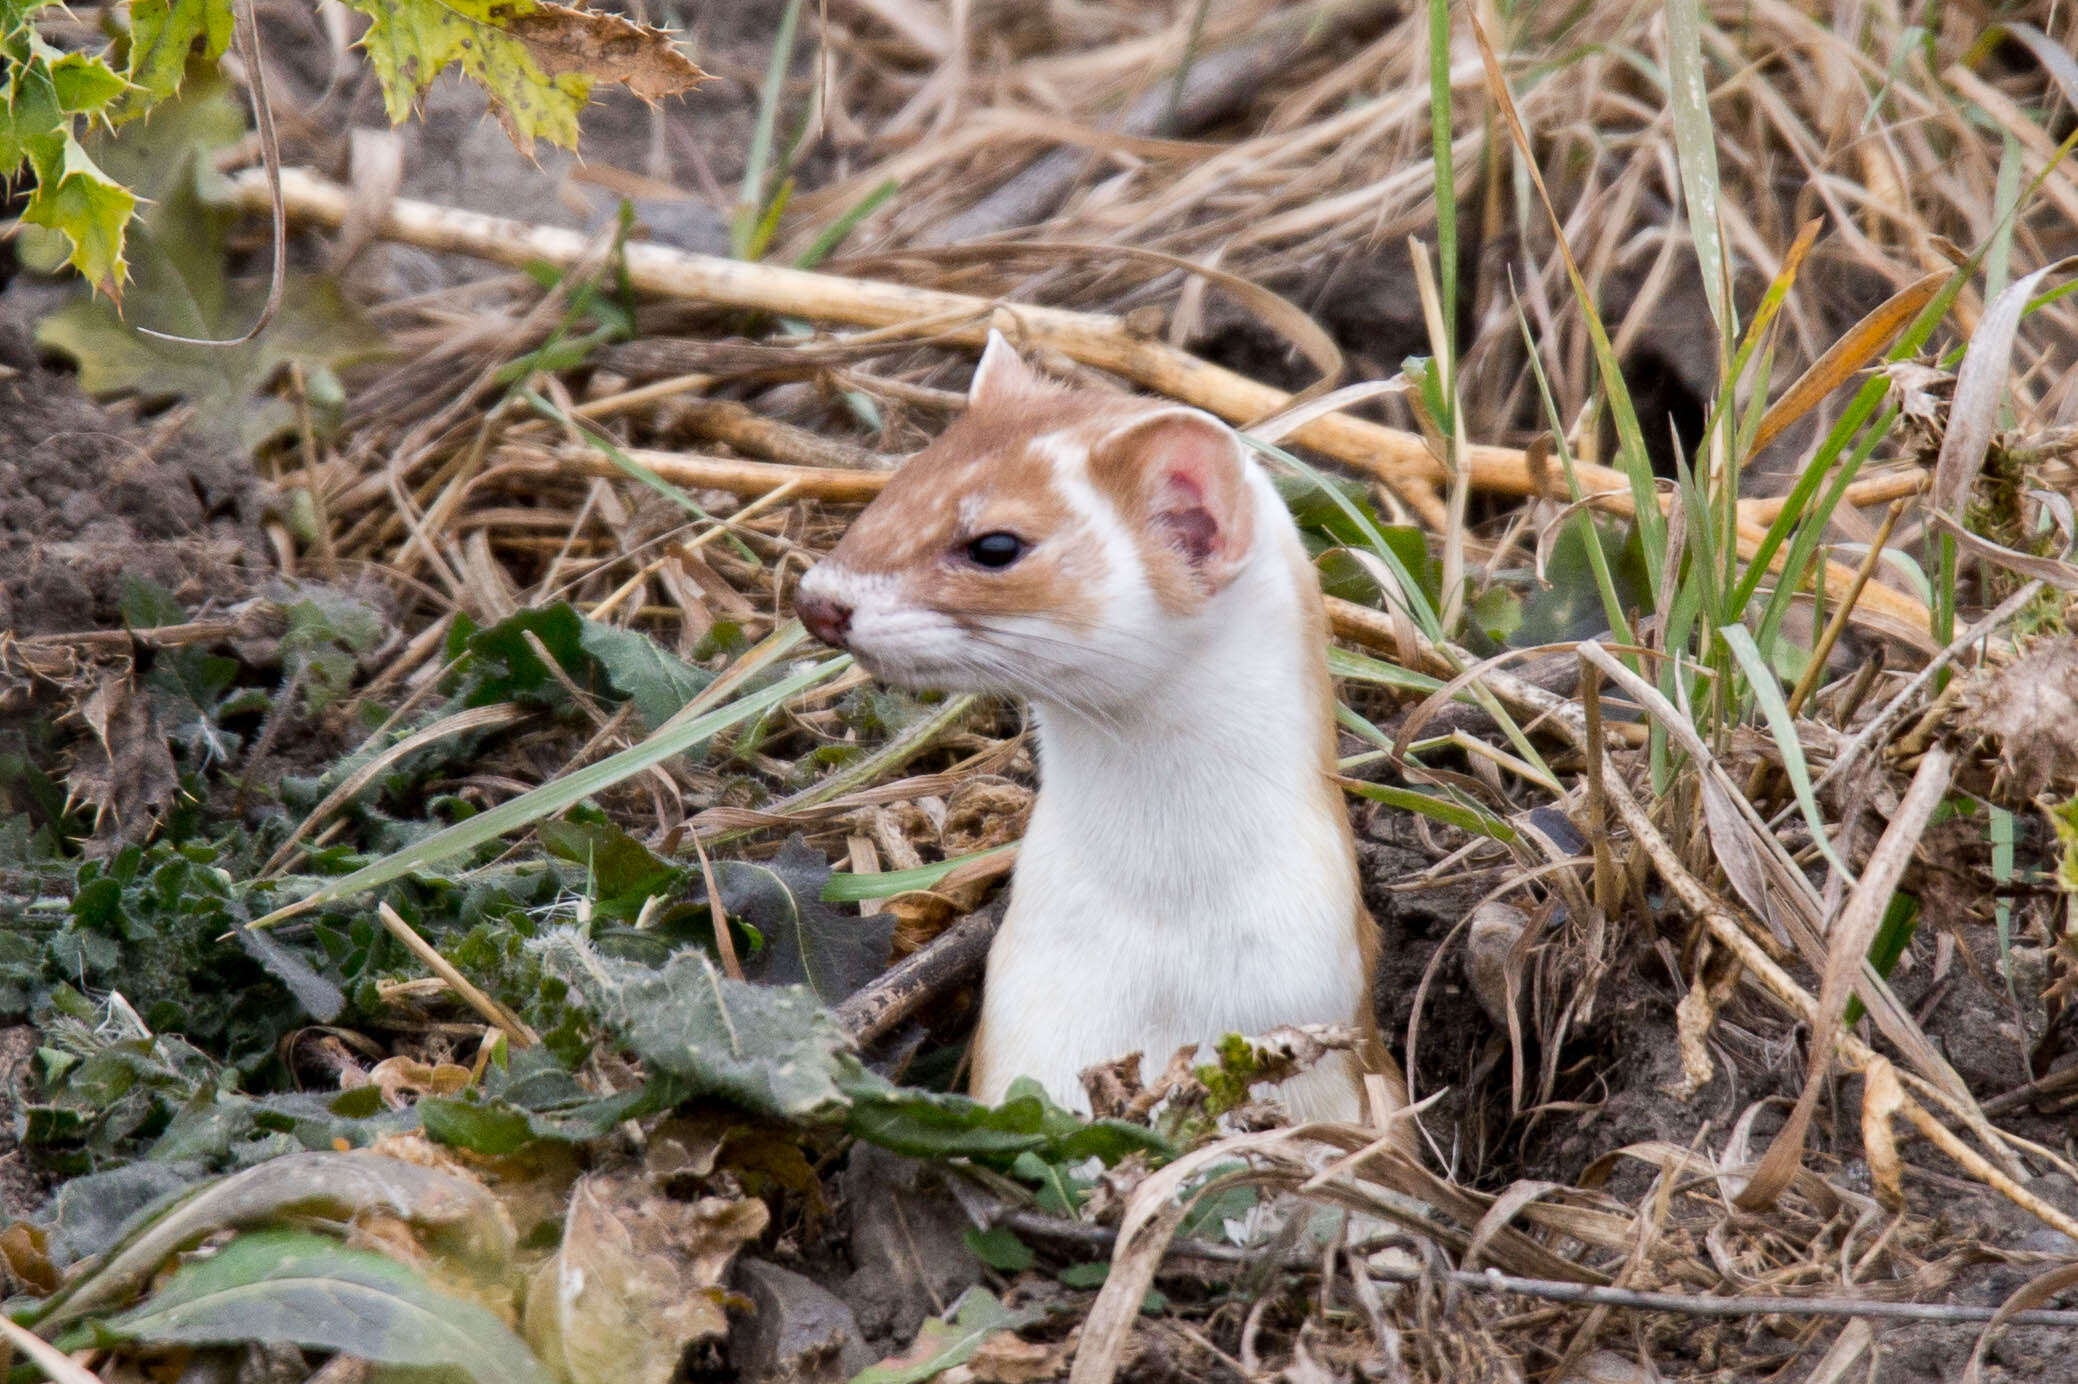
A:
(750, 201)
(1695, 152)
(1803, 546)
(1597, 560)
(1342, 663)
(1632, 459)
(1998, 259)
(1446, 180)
(1411, 596)
(833, 235)
(676, 736)
(848, 888)
(1435, 807)
(1767, 691)
(1865, 403)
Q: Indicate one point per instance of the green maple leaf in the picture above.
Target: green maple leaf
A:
(76, 199)
(163, 35)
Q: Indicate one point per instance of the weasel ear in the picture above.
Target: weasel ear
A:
(1178, 477)
(1002, 374)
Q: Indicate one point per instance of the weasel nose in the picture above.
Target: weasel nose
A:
(827, 619)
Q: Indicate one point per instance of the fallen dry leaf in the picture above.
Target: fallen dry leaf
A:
(1917, 391)
(638, 1278)
(1004, 1358)
(26, 1250)
(124, 770)
(2028, 709)
(606, 48)
(402, 1080)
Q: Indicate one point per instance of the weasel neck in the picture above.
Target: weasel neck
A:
(1224, 769)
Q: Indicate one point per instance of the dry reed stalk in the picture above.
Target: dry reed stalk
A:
(1398, 459)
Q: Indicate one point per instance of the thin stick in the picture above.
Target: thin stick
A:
(725, 420)
(54, 1363)
(737, 475)
(1400, 460)
(724, 941)
(656, 391)
(495, 1014)
(1873, 491)
(1837, 626)
(951, 958)
(1102, 1237)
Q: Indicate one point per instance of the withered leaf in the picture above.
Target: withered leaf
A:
(123, 770)
(638, 1278)
(606, 48)
(2028, 709)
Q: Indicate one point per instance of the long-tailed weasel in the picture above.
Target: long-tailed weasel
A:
(1126, 566)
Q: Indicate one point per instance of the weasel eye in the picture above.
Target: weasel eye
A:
(997, 549)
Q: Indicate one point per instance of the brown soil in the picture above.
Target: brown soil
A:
(95, 496)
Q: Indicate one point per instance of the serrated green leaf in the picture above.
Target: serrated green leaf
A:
(806, 940)
(84, 83)
(164, 34)
(176, 256)
(658, 683)
(90, 210)
(537, 60)
(173, 150)
(410, 42)
(312, 1291)
(316, 326)
(770, 1049)
(33, 123)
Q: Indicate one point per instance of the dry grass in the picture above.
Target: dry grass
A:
(1687, 907)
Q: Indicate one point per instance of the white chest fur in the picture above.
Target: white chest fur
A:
(1187, 871)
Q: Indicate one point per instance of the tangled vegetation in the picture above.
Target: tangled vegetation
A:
(456, 920)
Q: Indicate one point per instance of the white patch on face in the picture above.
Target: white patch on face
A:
(845, 586)
(1123, 576)
(893, 638)
(1131, 631)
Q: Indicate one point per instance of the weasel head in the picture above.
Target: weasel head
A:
(1054, 544)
